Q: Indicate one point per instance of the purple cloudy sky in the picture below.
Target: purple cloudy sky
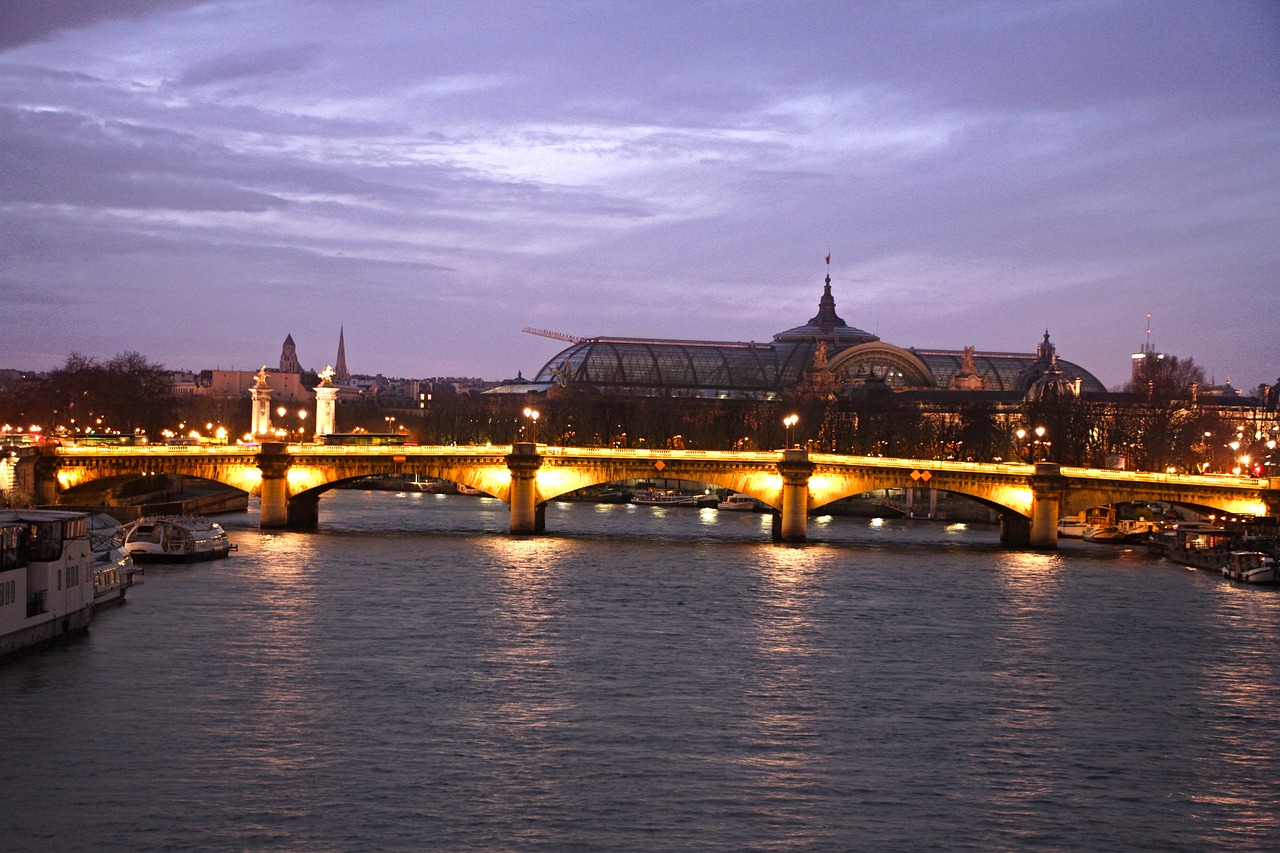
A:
(195, 179)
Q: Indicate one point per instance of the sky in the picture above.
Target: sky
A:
(193, 180)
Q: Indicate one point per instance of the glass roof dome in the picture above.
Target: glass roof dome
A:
(722, 369)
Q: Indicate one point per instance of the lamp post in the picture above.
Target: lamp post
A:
(1019, 448)
(302, 424)
(533, 415)
(1040, 440)
(790, 421)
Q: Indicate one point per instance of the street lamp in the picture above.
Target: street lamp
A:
(533, 415)
(789, 421)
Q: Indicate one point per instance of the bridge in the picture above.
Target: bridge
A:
(289, 479)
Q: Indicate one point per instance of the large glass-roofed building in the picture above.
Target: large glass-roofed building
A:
(826, 352)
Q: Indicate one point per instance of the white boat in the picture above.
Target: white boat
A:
(663, 497)
(176, 537)
(113, 568)
(1250, 567)
(46, 577)
(1138, 529)
(464, 489)
(739, 503)
(1102, 527)
(1071, 528)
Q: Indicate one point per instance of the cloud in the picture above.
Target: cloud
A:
(449, 174)
(24, 21)
(270, 62)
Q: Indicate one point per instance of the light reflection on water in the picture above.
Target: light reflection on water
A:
(410, 677)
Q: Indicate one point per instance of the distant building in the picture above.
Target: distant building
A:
(236, 383)
(824, 357)
(1144, 360)
(289, 357)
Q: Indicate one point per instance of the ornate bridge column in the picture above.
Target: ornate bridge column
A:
(796, 469)
(526, 514)
(1047, 488)
(274, 464)
(326, 406)
(261, 394)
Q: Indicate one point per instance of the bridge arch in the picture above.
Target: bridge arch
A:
(527, 476)
(240, 471)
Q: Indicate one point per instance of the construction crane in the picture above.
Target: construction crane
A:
(559, 336)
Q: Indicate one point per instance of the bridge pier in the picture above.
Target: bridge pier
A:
(274, 463)
(1047, 488)
(795, 467)
(527, 514)
(1271, 498)
(44, 490)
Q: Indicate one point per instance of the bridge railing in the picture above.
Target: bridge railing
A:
(923, 464)
(1171, 479)
(161, 450)
(758, 457)
(398, 450)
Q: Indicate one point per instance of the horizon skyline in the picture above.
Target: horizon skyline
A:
(273, 366)
(208, 175)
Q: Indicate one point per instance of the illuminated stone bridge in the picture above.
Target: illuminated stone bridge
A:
(290, 479)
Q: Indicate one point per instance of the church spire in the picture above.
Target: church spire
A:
(289, 357)
(340, 374)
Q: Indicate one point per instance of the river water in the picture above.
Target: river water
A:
(410, 677)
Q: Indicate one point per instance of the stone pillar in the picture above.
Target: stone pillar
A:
(326, 409)
(1047, 489)
(261, 394)
(526, 513)
(274, 464)
(1271, 497)
(45, 480)
(796, 469)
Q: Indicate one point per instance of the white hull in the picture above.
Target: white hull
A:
(664, 499)
(46, 577)
(1250, 567)
(1071, 529)
(177, 538)
(113, 568)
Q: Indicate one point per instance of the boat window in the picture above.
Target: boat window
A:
(42, 542)
(10, 543)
